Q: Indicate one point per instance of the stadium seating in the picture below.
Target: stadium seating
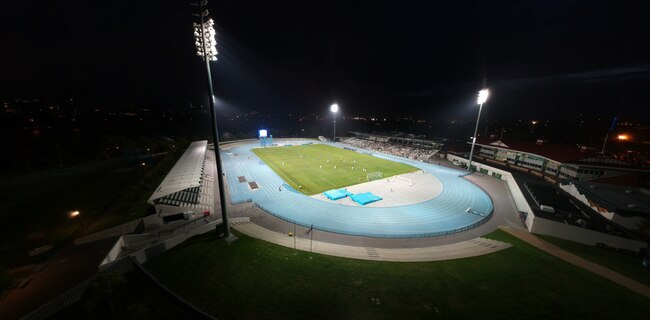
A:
(566, 210)
(380, 144)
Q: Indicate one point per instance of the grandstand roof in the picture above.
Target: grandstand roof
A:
(186, 173)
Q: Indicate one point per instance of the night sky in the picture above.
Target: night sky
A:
(550, 59)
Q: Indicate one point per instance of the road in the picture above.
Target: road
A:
(66, 268)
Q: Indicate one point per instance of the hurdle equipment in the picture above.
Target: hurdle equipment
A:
(404, 180)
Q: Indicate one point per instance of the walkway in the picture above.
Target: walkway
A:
(505, 214)
(466, 249)
(580, 262)
(65, 269)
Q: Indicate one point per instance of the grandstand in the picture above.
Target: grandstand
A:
(188, 187)
(413, 149)
(626, 206)
(561, 208)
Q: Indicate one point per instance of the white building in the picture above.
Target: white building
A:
(561, 161)
(188, 187)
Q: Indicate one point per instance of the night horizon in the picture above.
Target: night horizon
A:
(538, 59)
(314, 160)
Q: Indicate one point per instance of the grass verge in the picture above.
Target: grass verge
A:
(252, 279)
(622, 263)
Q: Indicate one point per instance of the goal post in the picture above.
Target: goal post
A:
(374, 175)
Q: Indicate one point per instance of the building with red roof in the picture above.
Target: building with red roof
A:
(562, 161)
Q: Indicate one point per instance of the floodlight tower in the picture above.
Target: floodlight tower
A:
(334, 108)
(206, 48)
(482, 97)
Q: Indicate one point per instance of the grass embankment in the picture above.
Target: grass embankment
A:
(252, 279)
(129, 296)
(37, 214)
(315, 168)
(622, 263)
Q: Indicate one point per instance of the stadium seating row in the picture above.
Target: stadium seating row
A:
(409, 152)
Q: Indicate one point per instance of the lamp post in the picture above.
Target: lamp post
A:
(611, 128)
(206, 48)
(482, 97)
(334, 108)
(77, 215)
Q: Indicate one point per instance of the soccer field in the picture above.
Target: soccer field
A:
(315, 168)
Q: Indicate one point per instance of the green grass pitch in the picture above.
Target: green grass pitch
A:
(315, 168)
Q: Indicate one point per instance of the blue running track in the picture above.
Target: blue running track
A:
(444, 214)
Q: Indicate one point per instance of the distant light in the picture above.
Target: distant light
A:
(482, 96)
(74, 213)
(623, 137)
(144, 164)
(533, 122)
(334, 108)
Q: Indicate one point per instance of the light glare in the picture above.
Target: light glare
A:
(482, 96)
(334, 108)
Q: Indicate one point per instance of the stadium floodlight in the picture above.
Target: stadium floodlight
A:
(206, 48)
(482, 97)
(334, 108)
(205, 41)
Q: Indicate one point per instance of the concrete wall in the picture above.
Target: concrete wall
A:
(553, 228)
(133, 241)
(581, 235)
(631, 223)
(114, 252)
(145, 254)
(116, 231)
(163, 210)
